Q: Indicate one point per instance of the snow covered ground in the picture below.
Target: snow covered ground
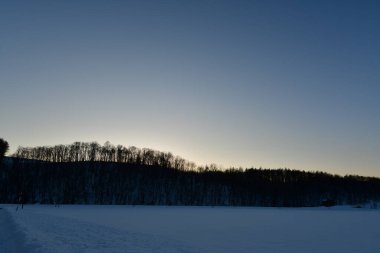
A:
(43, 228)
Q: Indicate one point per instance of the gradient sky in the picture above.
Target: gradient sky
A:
(291, 84)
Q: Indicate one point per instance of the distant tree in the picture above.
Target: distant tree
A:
(4, 147)
(329, 203)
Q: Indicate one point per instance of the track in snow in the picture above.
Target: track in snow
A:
(12, 240)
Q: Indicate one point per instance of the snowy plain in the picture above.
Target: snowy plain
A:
(85, 228)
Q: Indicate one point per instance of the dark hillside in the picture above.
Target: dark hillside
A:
(96, 182)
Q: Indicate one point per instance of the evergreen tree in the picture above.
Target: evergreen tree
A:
(4, 147)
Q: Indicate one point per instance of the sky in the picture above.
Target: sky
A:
(276, 84)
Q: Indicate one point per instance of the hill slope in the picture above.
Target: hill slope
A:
(32, 181)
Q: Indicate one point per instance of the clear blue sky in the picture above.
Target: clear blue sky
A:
(291, 84)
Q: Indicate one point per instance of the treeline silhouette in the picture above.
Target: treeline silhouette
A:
(85, 151)
(81, 175)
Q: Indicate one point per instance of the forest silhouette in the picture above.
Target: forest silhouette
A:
(89, 173)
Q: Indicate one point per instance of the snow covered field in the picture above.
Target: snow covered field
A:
(41, 228)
